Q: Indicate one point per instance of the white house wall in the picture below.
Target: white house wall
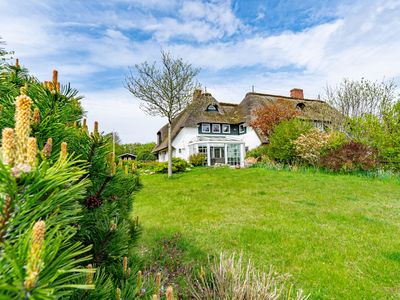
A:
(180, 143)
(182, 140)
(186, 135)
(251, 139)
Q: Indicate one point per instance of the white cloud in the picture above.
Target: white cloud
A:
(218, 13)
(196, 20)
(168, 28)
(117, 110)
(300, 49)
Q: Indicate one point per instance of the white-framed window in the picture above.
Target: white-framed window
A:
(202, 149)
(242, 128)
(234, 154)
(205, 128)
(216, 128)
(226, 128)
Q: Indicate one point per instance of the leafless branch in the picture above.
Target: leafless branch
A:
(354, 98)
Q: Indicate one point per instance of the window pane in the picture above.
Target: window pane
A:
(226, 128)
(203, 150)
(242, 129)
(234, 154)
(205, 128)
(216, 128)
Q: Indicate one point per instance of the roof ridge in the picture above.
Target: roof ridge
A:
(228, 103)
(286, 97)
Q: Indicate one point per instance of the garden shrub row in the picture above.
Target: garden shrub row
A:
(178, 165)
(363, 144)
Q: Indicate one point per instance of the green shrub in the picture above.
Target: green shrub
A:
(258, 152)
(178, 165)
(197, 159)
(281, 147)
(381, 133)
(336, 139)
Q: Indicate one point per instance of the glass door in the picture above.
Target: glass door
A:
(217, 155)
(234, 154)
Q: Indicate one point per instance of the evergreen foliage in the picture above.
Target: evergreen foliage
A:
(65, 223)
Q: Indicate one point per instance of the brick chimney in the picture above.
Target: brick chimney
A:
(297, 93)
(197, 94)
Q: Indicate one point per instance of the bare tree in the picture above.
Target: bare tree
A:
(353, 98)
(163, 90)
(4, 55)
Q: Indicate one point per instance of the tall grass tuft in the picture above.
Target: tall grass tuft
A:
(229, 277)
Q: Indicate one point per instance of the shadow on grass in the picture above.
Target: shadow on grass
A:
(395, 256)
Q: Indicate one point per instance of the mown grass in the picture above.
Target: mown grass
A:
(338, 235)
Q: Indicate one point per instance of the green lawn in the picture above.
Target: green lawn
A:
(338, 235)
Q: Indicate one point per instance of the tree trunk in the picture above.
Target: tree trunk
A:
(169, 151)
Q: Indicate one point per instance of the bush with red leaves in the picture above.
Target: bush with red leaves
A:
(270, 115)
(351, 156)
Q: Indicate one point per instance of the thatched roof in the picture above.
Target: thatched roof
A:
(197, 113)
(230, 113)
(311, 109)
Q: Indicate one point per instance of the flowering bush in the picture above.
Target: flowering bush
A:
(351, 156)
(308, 146)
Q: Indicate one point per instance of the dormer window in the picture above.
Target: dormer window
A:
(212, 107)
(300, 106)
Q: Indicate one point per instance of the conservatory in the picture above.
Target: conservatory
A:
(219, 150)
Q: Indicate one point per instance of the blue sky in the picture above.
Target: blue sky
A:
(273, 45)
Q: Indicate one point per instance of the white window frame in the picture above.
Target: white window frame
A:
(205, 125)
(226, 126)
(242, 128)
(215, 131)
